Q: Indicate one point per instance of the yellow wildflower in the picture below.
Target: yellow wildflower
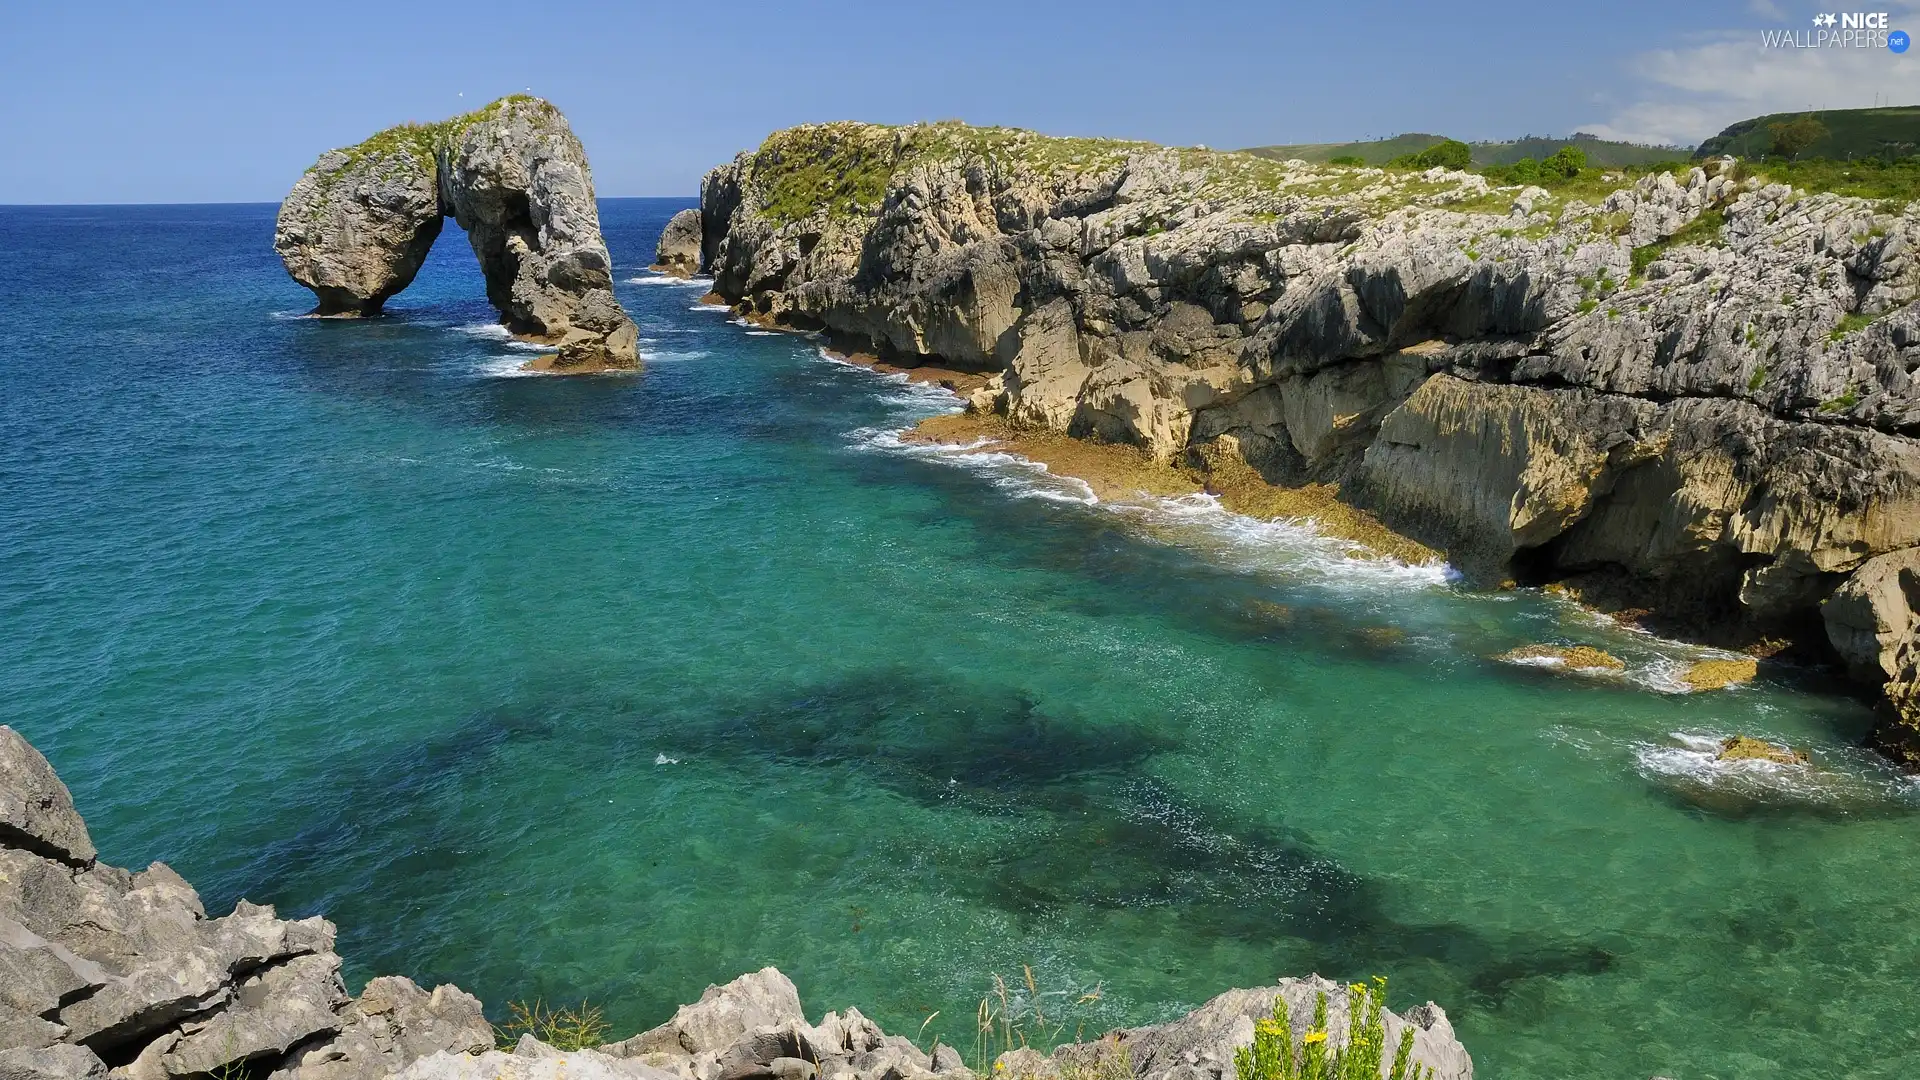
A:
(999, 1066)
(1268, 1027)
(1315, 1037)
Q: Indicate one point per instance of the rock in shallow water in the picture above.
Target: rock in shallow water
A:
(679, 250)
(357, 226)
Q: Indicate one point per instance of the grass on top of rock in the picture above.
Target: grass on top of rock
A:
(1273, 1055)
(1708, 229)
(569, 1028)
(423, 142)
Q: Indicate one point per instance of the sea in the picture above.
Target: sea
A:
(606, 688)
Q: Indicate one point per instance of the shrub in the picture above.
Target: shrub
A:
(1451, 153)
(1791, 138)
(1272, 1055)
(563, 1028)
(1347, 159)
(1564, 164)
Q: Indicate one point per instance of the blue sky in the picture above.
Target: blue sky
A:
(188, 101)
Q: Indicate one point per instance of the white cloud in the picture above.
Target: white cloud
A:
(1686, 93)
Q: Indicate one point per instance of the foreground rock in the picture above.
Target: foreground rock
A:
(106, 970)
(357, 226)
(1691, 396)
(109, 973)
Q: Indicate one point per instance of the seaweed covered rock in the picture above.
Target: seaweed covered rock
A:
(357, 226)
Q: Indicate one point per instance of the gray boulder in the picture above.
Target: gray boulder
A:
(679, 250)
(357, 226)
(722, 1016)
(96, 961)
(62, 1062)
(1201, 1045)
(36, 810)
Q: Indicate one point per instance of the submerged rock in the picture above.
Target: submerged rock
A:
(1747, 748)
(1718, 674)
(679, 250)
(1570, 657)
(357, 226)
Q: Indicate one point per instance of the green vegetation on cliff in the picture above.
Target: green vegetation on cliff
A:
(1600, 152)
(845, 166)
(1887, 134)
(423, 142)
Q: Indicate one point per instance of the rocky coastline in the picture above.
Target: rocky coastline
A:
(358, 224)
(111, 973)
(1687, 396)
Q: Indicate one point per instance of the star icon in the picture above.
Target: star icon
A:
(1830, 19)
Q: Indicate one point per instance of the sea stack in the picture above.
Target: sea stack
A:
(679, 250)
(356, 227)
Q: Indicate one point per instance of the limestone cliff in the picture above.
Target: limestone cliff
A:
(358, 224)
(1692, 392)
(105, 973)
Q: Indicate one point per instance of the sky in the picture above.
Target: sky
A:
(207, 102)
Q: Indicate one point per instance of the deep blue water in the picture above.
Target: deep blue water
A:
(616, 686)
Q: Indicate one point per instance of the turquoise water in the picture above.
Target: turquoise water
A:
(614, 687)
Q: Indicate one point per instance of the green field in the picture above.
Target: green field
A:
(1850, 134)
(1600, 152)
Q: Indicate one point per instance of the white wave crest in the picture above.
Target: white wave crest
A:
(656, 278)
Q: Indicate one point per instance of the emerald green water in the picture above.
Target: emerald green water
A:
(615, 687)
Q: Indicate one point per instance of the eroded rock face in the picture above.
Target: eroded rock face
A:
(1699, 396)
(679, 250)
(357, 226)
(101, 967)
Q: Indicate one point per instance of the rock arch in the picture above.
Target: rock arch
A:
(356, 227)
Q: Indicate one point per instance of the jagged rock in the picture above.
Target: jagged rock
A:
(1200, 1045)
(36, 810)
(391, 1025)
(98, 961)
(272, 1010)
(357, 226)
(1700, 396)
(722, 1016)
(1873, 621)
(51, 1063)
(495, 1065)
(679, 250)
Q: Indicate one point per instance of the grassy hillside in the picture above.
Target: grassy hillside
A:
(1376, 152)
(1600, 152)
(1850, 133)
